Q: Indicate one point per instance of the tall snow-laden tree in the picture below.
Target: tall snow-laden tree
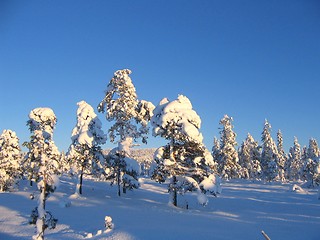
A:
(308, 172)
(313, 151)
(85, 153)
(184, 160)
(216, 150)
(311, 163)
(10, 159)
(249, 158)
(287, 166)
(295, 161)
(305, 172)
(43, 157)
(130, 117)
(228, 164)
(282, 156)
(64, 163)
(269, 154)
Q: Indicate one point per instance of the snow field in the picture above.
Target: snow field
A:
(241, 211)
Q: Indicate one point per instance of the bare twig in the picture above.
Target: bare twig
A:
(265, 235)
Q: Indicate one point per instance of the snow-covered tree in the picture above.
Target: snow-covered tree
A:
(216, 150)
(184, 160)
(295, 161)
(269, 154)
(10, 159)
(144, 157)
(313, 151)
(305, 171)
(249, 158)
(85, 153)
(64, 163)
(122, 168)
(311, 163)
(130, 117)
(43, 157)
(282, 156)
(228, 163)
(287, 166)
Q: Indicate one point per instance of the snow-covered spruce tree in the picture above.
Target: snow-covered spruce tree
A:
(287, 166)
(269, 154)
(123, 169)
(311, 163)
(228, 165)
(216, 150)
(249, 158)
(130, 117)
(282, 157)
(245, 159)
(85, 153)
(309, 171)
(306, 165)
(313, 149)
(10, 159)
(64, 163)
(184, 160)
(295, 161)
(42, 158)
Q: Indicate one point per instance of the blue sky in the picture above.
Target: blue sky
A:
(249, 59)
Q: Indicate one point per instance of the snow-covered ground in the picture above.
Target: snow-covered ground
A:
(242, 211)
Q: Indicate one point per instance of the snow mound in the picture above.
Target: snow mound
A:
(212, 184)
(296, 188)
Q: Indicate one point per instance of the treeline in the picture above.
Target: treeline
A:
(268, 160)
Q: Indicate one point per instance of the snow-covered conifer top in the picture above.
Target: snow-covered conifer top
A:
(178, 118)
(88, 129)
(9, 144)
(42, 119)
(10, 138)
(122, 106)
(228, 136)
(121, 98)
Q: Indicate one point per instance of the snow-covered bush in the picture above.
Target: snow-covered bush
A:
(108, 222)
(130, 117)
(10, 159)
(85, 153)
(184, 160)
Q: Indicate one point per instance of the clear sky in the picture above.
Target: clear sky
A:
(249, 59)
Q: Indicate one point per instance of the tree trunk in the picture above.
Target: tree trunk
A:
(174, 178)
(124, 189)
(174, 191)
(80, 182)
(118, 181)
(41, 221)
(119, 162)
